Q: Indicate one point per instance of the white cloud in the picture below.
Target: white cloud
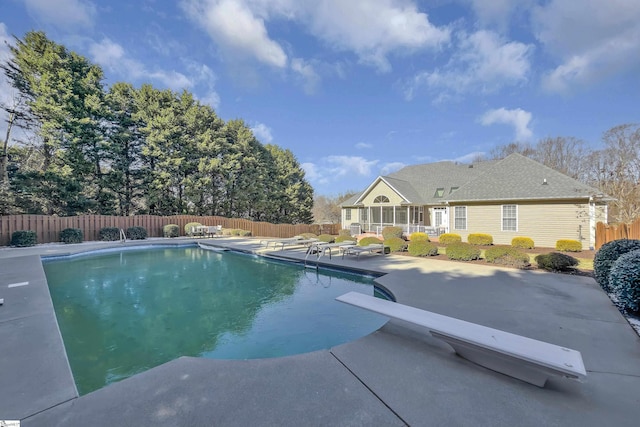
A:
(236, 29)
(371, 29)
(363, 146)
(592, 39)
(484, 62)
(262, 132)
(307, 73)
(334, 168)
(517, 118)
(112, 57)
(63, 13)
(388, 168)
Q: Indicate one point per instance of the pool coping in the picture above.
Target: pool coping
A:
(609, 345)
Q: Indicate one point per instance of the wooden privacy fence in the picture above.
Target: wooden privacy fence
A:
(48, 228)
(607, 233)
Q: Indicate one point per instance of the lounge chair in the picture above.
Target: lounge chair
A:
(275, 242)
(321, 248)
(357, 250)
(520, 357)
(295, 242)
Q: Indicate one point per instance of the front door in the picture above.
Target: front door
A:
(440, 217)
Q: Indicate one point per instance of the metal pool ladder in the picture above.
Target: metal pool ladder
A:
(123, 236)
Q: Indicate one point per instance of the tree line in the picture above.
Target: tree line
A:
(123, 150)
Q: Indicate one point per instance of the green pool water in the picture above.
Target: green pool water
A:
(121, 313)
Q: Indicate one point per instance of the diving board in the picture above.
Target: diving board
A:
(520, 357)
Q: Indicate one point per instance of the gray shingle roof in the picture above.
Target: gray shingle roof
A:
(517, 177)
(513, 178)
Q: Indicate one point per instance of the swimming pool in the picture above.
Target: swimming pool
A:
(121, 313)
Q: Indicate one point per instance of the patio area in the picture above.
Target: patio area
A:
(398, 375)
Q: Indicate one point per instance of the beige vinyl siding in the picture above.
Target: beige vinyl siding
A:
(382, 189)
(545, 223)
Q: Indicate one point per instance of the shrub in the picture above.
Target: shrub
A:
(522, 242)
(71, 235)
(136, 233)
(344, 232)
(396, 244)
(308, 236)
(187, 227)
(448, 238)
(109, 234)
(341, 239)
(555, 261)
(480, 239)
(507, 256)
(327, 238)
(422, 248)
(23, 238)
(566, 245)
(389, 232)
(366, 241)
(240, 232)
(171, 230)
(607, 255)
(419, 236)
(462, 251)
(625, 280)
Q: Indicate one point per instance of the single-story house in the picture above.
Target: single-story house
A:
(515, 196)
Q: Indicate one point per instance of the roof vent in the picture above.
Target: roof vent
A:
(544, 182)
(470, 166)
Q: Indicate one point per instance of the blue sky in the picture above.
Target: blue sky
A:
(360, 88)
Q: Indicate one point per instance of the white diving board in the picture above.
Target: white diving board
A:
(520, 357)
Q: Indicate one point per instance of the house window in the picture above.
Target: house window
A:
(347, 215)
(381, 199)
(453, 189)
(439, 192)
(509, 217)
(364, 215)
(460, 218)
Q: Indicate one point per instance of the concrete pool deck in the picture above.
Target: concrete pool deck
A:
(398, 375)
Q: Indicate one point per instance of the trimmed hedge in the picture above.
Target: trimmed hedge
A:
(625, 281)
(171, 230)
(341, 239)
(309, 236)
(480, 239)
(24, 238)
(448, 238)
(419, 236)
(462, 252)
(327, 238)
(507, 256)
(396, 244)
(136, 233)
(566, 245)
(607, 256)
(109, 234)
(422, 248)
(71, 235)
(522, 242)
(389, 232)
(187, 227)
(247, 233)
(555, 261)
(366, 241)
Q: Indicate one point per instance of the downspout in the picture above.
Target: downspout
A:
(592, 223)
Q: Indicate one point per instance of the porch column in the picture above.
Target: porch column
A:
(394, 215)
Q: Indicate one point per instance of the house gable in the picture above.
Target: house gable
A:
(380, 187)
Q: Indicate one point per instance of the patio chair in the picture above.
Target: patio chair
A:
(357, 250)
